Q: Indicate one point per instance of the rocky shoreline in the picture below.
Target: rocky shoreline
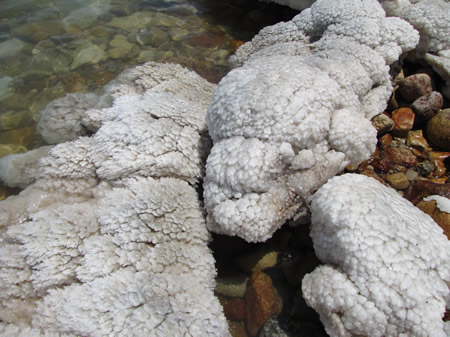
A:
(268, 275)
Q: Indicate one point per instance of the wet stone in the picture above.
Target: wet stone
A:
(261, 302)
(438, 129)
(50, 61)
(237, 329)
(385, 140)
(132, 22)
(11, 47)
(401, 156)
(439, 168)
(5, 87)
(415, 86)
(14, 119)
(381, 165)
(6, 149)
(412, 174)
(382, 123)
(403, 119)
(37, 31)
(154, 37)
(423, 188)
(426, 107)
(417, 140)
(442, 218)
(234, 309)
(87, 53)
(232, 286)
(426, 167)
(398, 180)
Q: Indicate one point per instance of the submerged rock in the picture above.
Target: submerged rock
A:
(87, 53)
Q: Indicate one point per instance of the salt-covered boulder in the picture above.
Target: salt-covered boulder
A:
(387, 264)
(111, 240)
(296, 110)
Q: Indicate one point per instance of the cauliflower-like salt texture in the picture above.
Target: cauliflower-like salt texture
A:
(111, 240)
(429, 17)
(60, 121)
(387, 264)
(311, 84)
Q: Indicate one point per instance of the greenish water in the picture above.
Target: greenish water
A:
(52, 47)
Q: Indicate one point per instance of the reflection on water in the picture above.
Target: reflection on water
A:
(52, 47)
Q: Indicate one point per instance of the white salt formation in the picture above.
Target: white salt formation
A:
(296, 111)
(110, 240)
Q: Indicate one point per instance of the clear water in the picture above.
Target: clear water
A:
(52, 47)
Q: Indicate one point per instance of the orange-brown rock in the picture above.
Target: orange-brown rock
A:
(372, 174)
(423, 188)
(234, 309)
(403, 121)
(441, 218)
(439, 168)
(416, 140)
(237, 329)
(401, 156)
(385, 140)
(261, 302)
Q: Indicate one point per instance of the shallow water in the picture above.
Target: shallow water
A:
(52, 47)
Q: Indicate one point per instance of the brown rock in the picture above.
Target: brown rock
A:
(385, 140)
(427, 106)
(372, 174)
(423, 188)
(261, 302)
(438, 129)
(441, 218)
(38, 31)
(439, 155)
(439, 168)
(440, 181)
(237, 329)
(401, 156)
(398, 180)
(417, 140)
(415, 86)
(234, 309)
(207, 39)
(382, 165)
(382, 123)
(403, 119)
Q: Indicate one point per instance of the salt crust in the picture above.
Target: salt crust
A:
(387, 264)
(310, 84)
(110, 239)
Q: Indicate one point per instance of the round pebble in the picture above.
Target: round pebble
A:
(426, 107)
(438, 129)
(415, 86)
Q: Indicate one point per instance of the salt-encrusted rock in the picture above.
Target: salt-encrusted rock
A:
(78, 114)
(19, 170)
(387, 269)
(297, 112)
(111, 240)
(60, 121)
